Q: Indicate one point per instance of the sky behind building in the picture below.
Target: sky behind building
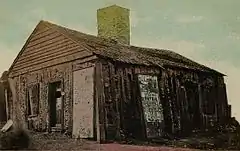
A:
(205, 31)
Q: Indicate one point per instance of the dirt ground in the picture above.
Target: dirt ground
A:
(62, 144)
(85, 145)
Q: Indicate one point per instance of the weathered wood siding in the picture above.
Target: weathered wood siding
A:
(46, 47)
(181, 94)
(62, 73)
(47, 56)
(43, 77)
(120, 107)
(184, 98)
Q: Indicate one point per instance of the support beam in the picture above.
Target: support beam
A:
(6, 103)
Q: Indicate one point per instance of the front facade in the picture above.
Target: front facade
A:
(43, 77)
(74, 83)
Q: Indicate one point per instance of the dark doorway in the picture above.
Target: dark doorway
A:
(193, 104)
(56, 105)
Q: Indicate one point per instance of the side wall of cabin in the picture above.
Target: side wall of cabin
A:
(198, 101)
(119, 102)
(190, 100)
(120, 108)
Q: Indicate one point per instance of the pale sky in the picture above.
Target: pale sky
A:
(207, 31)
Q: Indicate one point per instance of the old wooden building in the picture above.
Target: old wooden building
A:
(104, 88)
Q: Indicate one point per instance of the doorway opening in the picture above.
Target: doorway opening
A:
(192, 94)
(56, 106)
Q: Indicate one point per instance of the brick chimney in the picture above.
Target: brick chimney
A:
(114, 23)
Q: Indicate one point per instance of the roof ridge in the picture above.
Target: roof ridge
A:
(109, 40)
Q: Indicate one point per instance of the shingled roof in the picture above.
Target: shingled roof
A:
(128, 53)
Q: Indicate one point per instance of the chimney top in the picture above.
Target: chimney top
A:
(113, 6)
(114, 23)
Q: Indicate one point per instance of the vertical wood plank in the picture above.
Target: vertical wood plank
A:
(6, 103)
(114, 91)
(118, 101)
(140, 106)
(122, 100)
(100, 103)
(96, 125)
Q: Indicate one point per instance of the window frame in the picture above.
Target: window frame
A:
(30, 102)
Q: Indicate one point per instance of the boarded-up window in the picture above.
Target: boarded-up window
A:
(33, 100)
(152, 107)
(150, 98)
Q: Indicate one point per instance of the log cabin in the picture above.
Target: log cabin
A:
(104, 88)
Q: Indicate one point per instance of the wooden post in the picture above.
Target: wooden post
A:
(12, 85)
(100, 100)
(96, 96)
(229, 111)
(200, 104)
(13, 90)
(123, 100)
(6, 103)
(97, 110)
(114, 96)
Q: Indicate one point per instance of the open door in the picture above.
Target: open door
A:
(56, 106)
(83, 107)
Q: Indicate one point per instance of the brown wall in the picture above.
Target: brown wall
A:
(44, 77)
(118, 96)
(63, 73)
(121, 110)
(46, 47)
(47, 56)
(180, 100)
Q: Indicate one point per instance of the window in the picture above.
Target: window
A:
(33, 100)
